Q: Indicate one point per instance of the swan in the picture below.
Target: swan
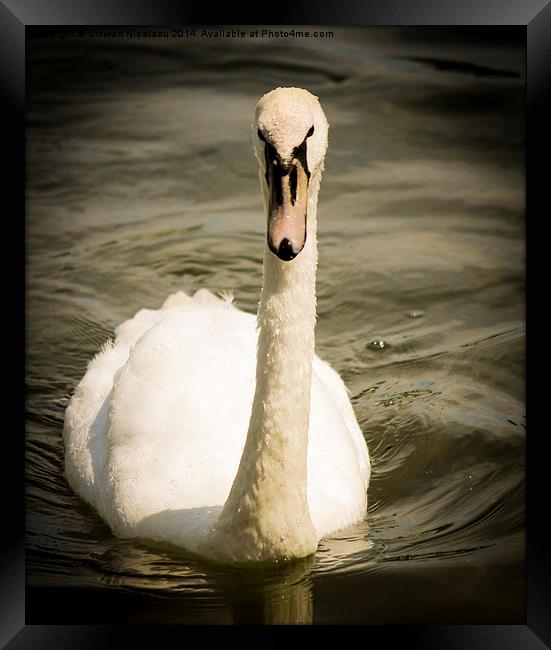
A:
(203, 427)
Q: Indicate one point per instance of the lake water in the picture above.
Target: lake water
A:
(141, 181)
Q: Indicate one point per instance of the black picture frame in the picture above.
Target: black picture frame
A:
(15, 16)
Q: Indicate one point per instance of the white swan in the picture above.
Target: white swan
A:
(172, 436)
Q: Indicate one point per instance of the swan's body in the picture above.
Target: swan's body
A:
(198, 428)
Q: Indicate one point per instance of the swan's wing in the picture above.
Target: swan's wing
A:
(124, 405)
(86, 418)
(86, 422)
(335, 386)
(131, 330)
(338, 460)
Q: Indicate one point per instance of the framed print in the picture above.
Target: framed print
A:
(185, 465)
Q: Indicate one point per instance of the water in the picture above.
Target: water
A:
(141, 181)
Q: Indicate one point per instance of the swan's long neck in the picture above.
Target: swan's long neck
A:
(266, 514)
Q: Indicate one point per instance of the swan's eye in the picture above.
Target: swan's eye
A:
(310, 131)
(261, 135)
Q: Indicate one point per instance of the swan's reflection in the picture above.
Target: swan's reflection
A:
(275, 593)
(279, 594)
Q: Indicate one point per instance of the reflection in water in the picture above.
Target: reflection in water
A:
(141, 182)
(279, 595)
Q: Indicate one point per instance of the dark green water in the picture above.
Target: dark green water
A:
(141, 181)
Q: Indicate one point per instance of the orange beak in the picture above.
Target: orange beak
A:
(287, 204)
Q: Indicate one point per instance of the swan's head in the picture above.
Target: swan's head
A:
(290, 141)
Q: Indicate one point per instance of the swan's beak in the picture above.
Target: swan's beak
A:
(287, 204)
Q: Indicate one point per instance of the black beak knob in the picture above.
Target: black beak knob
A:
(285, 251)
